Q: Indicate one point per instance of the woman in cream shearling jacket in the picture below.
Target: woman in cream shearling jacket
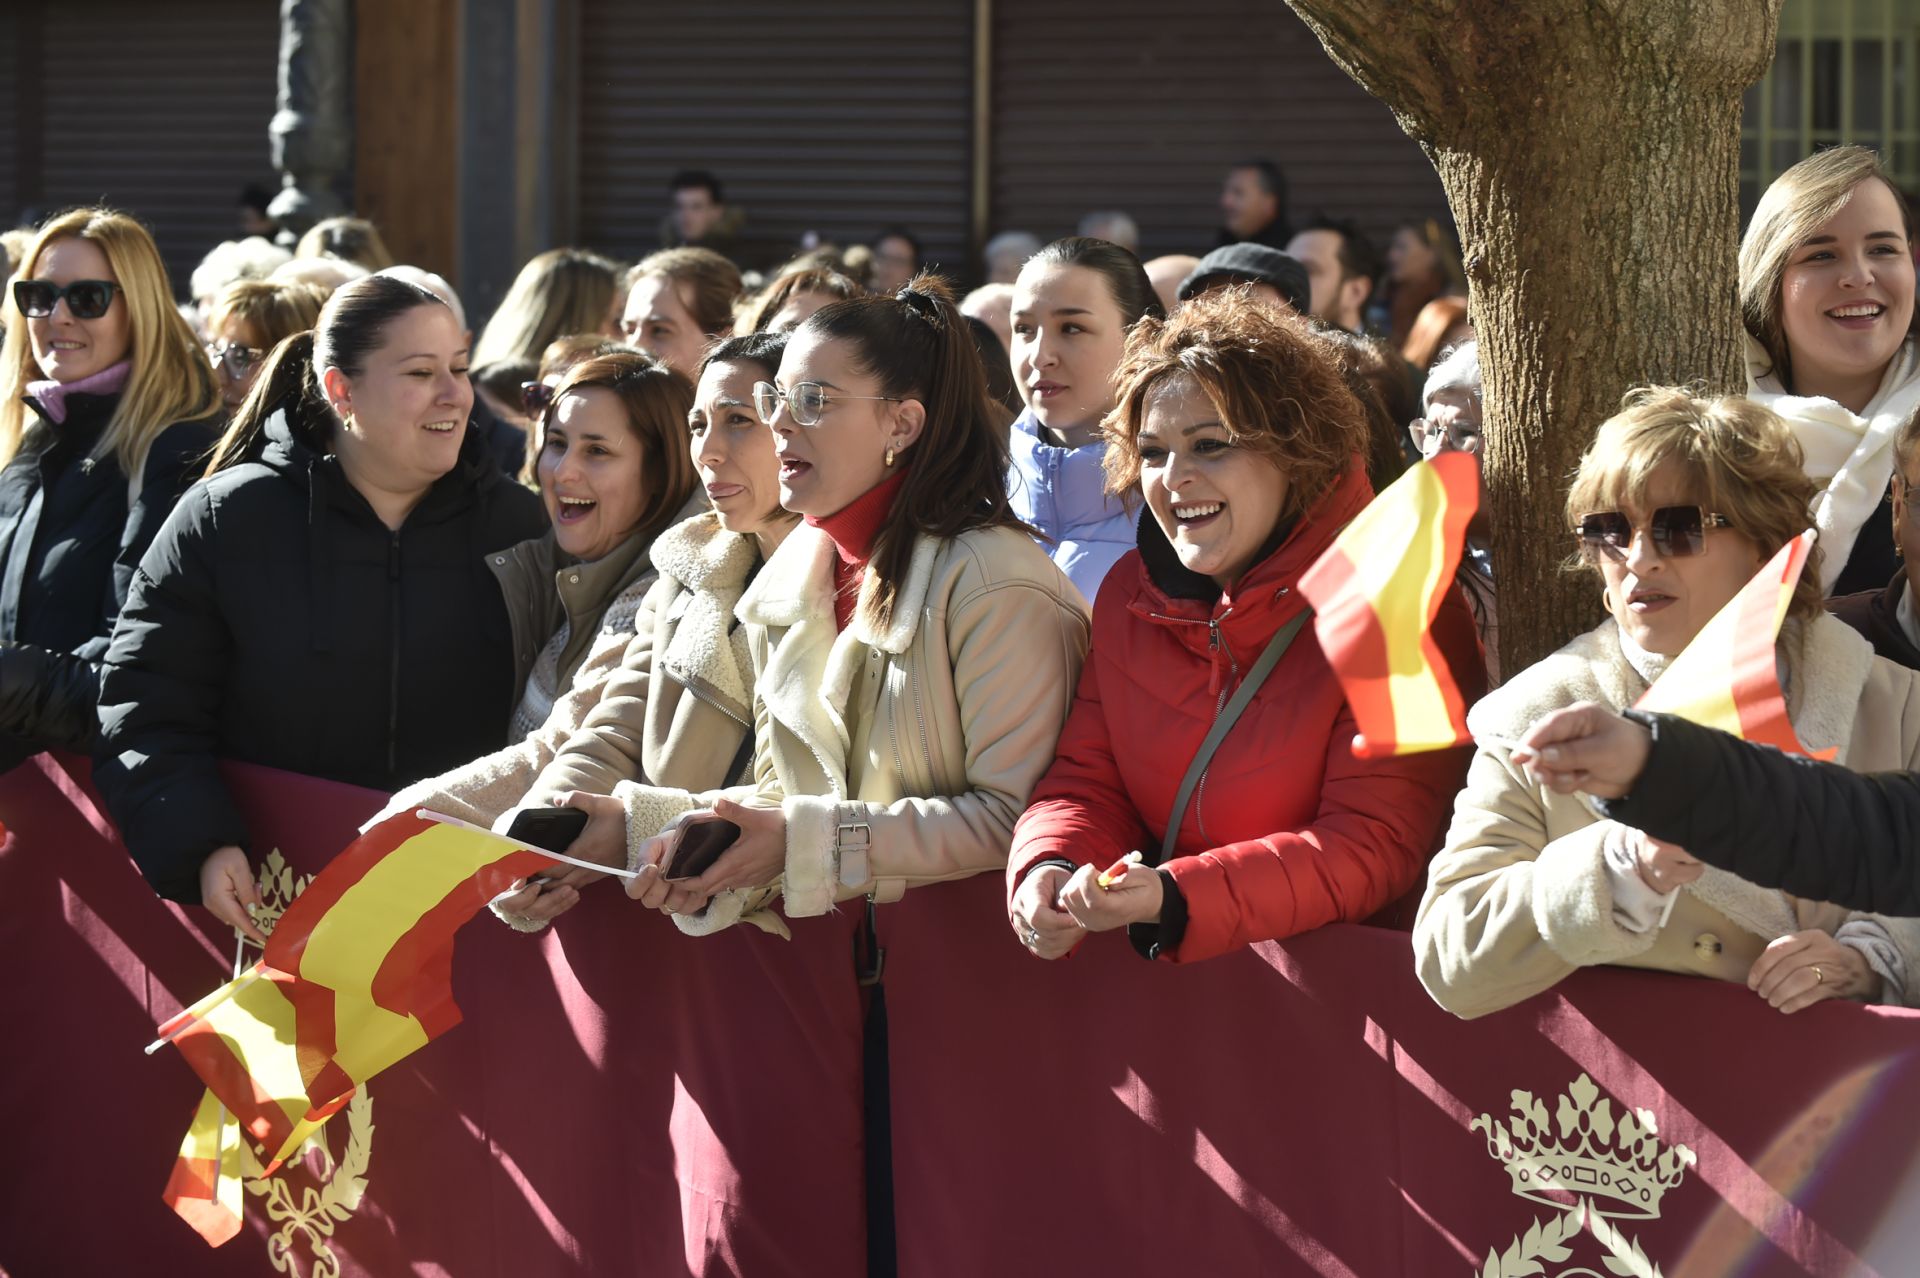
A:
(1521, 895)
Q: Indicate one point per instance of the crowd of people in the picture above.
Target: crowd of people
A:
(895, 587)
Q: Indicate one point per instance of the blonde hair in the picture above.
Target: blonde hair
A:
(1735, 457)
(348, 239)
(561, 292)
(271, 311)
(1801, 201)
(170, 380)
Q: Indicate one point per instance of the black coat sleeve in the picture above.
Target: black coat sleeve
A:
(48, 698)
(1783, 821)
(160, 706)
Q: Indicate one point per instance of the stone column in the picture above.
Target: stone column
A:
(312, 129)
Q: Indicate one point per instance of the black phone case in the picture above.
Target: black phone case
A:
(553, 829)
(700, 846)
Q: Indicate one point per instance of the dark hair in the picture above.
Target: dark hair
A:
(657, 400)
(503, 378)
(1001, 387)
(1127, 281)
(762, 348)
(1384, 383)
(256, 196)
(898, 232)
(1359, 259)
(691, 179)
(919, 347)
(1272, 179)
(353, 324)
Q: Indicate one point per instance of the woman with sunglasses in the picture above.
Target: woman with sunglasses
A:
(1678, 504)
(251, 318)
(107, 409)
(1073, 305)
(914, 650)
(322, 603)
(614, 475)
(1827, 295)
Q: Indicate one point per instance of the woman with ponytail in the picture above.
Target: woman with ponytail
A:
(915, 651)
(107, 409)
(322, 602)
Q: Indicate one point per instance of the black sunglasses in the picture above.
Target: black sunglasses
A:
(1675, 531)
(86, 299)
(535, 397)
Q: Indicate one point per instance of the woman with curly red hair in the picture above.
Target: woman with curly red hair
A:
(1248, 449)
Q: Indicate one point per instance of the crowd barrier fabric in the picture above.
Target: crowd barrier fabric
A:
(622, 1099)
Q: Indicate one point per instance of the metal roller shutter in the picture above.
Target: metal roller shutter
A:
(838, 119)
(1144, 112)
(160, 110)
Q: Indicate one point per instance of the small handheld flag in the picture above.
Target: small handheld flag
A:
(1375, 593)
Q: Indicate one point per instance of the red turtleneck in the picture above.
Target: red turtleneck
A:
(854, 528)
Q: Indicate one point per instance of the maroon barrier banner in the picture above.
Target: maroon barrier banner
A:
(619, 1099)
(623, 1099)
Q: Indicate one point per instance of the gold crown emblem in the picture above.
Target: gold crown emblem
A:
(1619, 1165)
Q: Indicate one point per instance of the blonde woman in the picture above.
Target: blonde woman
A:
(1826, 292)
(563, 292)
(107, 411)
(346, 239)
(1678, 504)
(248, 320)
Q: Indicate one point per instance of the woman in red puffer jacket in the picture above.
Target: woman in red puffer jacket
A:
(1246, 443)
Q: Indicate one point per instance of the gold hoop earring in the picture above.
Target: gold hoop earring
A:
(1606, 599)
(889, 454)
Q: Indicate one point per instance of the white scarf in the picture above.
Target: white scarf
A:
(1850, 455)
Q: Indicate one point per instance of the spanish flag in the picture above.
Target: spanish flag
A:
(1375, 593)
(1727, 677)
(357, 975)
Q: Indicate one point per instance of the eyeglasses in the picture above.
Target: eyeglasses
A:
(1459, 434)
(534, 397)
(1675, 531)
(806, 401)
(234, 359)
(86, 299)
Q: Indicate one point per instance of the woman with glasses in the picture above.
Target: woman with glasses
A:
(1827, 295)
(615, 476)
(1451, 424)
(1073, 306)
(1678, 503)
(914, 650)
(323, 602)
(1248, 448)
(107, 410)
(249, 319)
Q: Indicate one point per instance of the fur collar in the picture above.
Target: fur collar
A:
(701, 555)
(810, 669)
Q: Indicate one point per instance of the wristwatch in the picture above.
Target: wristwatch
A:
(850, 845)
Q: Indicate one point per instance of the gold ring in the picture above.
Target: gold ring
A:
(1818, 979)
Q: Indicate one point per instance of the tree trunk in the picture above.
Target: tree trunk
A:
(1590, 153)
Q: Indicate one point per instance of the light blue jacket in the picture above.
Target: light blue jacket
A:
(1061, 492)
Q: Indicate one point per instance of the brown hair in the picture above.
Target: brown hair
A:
(273, 310)
(1736, 458)
(758, 311)
(1275, 382)
(707, 284)
(171, 380)
(349, 239)
(561, 291)
(919, 347)
(1382, 380)
(1801, 201)
(657, 401)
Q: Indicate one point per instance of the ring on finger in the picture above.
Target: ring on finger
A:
(1819, 978)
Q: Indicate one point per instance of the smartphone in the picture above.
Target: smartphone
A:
(699, 846)
(551, 829)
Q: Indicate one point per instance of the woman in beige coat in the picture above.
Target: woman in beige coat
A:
(915, 651)
(1679, 503)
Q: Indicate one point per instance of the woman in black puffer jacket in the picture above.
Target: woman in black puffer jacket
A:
(320, 603)
(107, 412)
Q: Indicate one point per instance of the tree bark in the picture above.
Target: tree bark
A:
(1590, 152)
